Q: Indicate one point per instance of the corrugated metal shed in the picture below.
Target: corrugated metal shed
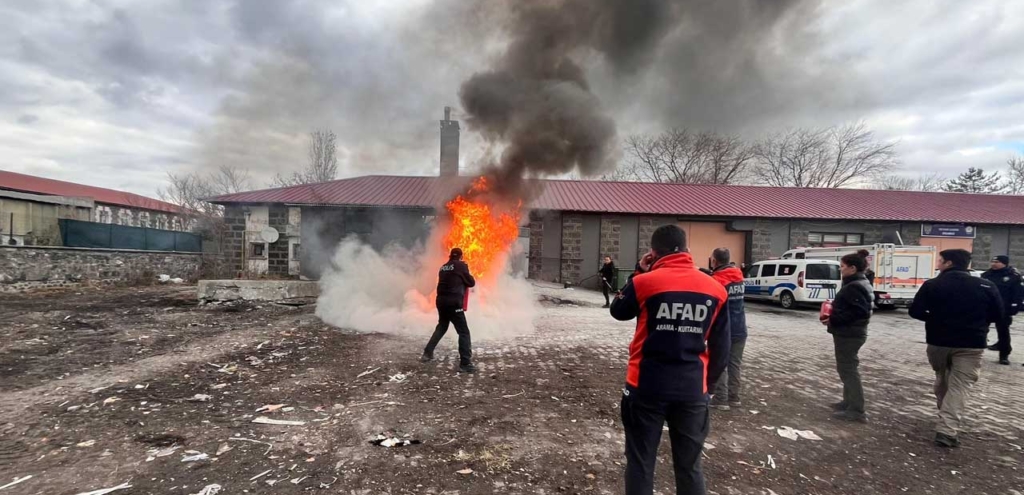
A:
(666, 199)
(41, 185)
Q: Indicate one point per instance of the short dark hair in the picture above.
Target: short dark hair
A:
(721, 255)
(858, 260)
(961, 258)
(455, 254)
(668, 239)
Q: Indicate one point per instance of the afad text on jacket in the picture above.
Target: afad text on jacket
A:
(681, 344)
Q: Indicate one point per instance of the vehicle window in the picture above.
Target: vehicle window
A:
(823, 272)
(752, 271)
(785, 270)
(768, 270)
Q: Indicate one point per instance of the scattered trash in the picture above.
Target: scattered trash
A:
(787, 432)
(771, 461)
(465, 471)
(219, 386)
(709, 446)
(111, 400)
(770, 492)
(272, 482)
(367, 372)
(199, 398)
(195, 456)
(270, 408)
(296, 481)
(105, 491)
(87, 443)
(73, 408)
(383, 440)
(267, 421)
(287, 409)
(258, 476)
(98, 389)
(16, 481)
(154, 453)
(213, 489)
(269, 445)
(166, 279)
(513, 395)
(224, 449)
(399, 378)
(324, 486)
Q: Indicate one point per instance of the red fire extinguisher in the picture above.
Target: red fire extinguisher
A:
(826, 310)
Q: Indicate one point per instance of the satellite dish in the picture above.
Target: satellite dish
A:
(269, 234)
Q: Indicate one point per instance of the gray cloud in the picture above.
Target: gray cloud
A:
(117, 93)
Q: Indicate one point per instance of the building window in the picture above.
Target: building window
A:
(104, 216)
(786, 270)
(819, 239)
(257, 250)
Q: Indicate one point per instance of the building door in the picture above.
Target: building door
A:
(943, 243)
(704, 237)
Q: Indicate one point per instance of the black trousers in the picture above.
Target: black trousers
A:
(848, 366)
(452, 315)
(606, 288)
(1003, 331)
(688, 425)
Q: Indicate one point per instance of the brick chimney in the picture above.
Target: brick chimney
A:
(449, 145)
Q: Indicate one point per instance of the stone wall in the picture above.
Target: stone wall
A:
(761, 241)
(536, 252)
(234, 238)
(32, 268)
(277, 252)
(572, 247)
(981, 251)
(611, 236)
(1017, 247)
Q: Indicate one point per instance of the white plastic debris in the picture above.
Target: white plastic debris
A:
(771, 461)
(16, 481)
(213, 489)
(194, 456)
(87, 443)
(399, 378)
(389, 441)
(163, 278)
(270, 408)
(200, 398)
(281, 422)
(258, 476)
(790, 433)
(105, 491)
(367, 373)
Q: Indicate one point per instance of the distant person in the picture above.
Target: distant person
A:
(727, 391)
(1011, 288)
(607, 273)
(868, 272)
(848, 324)
(453, 283)
(957, 309)
(678, 353)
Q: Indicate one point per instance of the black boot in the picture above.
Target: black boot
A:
(943, 440)
(427, 357)
(994, 347)
(467, 368)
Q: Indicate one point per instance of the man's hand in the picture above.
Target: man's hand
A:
(647, 261)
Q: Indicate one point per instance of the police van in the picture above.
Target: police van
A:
(792, 281)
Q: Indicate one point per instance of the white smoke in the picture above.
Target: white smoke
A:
(391, 292)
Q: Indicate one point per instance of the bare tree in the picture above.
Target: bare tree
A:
(1015, 175)
(924, 182)
(190, 192)
(323, 161)
(833, 157)
(682, 156)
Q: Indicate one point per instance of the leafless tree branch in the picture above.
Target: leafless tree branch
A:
(833, 157)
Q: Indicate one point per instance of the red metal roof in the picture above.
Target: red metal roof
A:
(666, 199)
(41, 185)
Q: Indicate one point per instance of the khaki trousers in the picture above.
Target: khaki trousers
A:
(956, 371)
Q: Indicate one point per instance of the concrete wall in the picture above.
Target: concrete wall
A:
(33, 268)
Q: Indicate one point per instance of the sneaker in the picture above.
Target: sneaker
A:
(606, 305)
(839, 406)
(467, 368)
(1004, 362)
(721, 406)
(994, 347)
(943, 440)
(735, 403)
(851, 416)
(426, 358)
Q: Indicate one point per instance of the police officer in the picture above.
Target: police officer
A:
(679, 350)
(727, 394)
(1011, 287)
(453, 282)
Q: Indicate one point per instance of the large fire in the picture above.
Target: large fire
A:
(484, 231)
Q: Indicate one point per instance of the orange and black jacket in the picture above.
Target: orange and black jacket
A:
(682, 339)
(731, 277)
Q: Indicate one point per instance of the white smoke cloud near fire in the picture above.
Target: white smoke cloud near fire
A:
(392, 292)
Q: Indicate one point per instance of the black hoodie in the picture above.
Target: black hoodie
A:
(851, 310)
(452, 281)
(957, 309)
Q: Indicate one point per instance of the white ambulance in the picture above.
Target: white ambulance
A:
(899, 270)
(792, 281)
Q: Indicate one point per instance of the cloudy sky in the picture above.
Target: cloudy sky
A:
(119, 93)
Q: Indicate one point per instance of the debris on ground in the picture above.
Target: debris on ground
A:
(153, 454)
(195, 456)
(790, 433)
(16, 481)
(281, 422)
(384, 440)
(268, 444)
(270, 408)
(123, 486)
(200, 398)
(399, 378)
(464, 471)
(367, 372)
(258, 476)
(213, 489)
(87, 443)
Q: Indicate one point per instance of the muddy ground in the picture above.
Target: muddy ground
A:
(103, 388)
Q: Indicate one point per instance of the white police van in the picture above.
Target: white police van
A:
(793, 281)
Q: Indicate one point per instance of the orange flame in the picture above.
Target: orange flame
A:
(484, 233)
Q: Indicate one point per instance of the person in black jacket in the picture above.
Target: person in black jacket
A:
(607, 279)
(957, 309)
(1011, 289)
(848, 324)
(453, 282)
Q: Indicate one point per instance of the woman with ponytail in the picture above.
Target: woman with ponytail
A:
(848, 324)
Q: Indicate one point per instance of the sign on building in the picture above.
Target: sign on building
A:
(957, 230)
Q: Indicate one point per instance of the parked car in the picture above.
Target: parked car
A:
(793, 281)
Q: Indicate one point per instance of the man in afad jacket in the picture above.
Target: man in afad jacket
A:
(727, 393)
(679, 350)
(1011, 289)
(453, 283)
(957, 309)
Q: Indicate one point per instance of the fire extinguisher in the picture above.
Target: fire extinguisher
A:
(826, 310)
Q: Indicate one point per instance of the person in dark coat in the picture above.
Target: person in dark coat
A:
(727, 391)
(453, 283)
(1011, 288)
(868, 272)
(607, 279)
(957, 309)
(848, 324)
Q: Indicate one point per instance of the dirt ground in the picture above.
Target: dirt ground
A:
(101, 388)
